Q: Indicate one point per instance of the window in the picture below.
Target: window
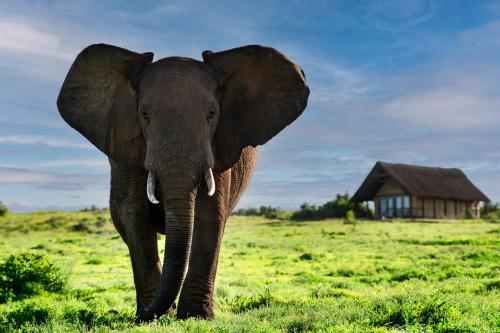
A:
(399, 204)
(406, 201)
(390, 206)
(383, 207)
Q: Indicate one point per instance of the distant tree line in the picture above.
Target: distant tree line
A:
(93, 208)
(491, 211)
(340, 207)
(265, 211)
(3, 209)
(337, 208)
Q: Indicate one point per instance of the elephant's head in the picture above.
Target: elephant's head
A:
(180, 118)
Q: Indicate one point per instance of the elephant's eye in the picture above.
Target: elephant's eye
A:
(146, 117)
(211, 114)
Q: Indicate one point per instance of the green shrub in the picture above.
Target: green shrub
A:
(350, 217)
(302, 323)
(345, 272)
(3, 209)
(94, 261)
(408, 275)
(242, 303)
(32, 311)
(306, 256)
(414, 310)
(337, 208)
(28, 274)
(490, 210)
(265, 211)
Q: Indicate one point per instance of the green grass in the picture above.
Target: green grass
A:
(274, 276)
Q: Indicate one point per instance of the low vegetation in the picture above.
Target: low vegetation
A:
(491, 212)
(27, 274)
(264, 211)
(3, 209)
(67, 272)
(337, 208)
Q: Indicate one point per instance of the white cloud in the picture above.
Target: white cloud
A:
(21, 37)
(25, 207)
(43, 141)
(485, 37)
(51, 180)
(395, 16)
(96, 163)
(445, 108)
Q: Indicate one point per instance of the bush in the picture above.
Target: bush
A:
(350, 217)
(266, 211)
(491, 211)
(28, 274)
(242, 303)
(337, 208)
(415, 311)
(31, 312)
(3, 209)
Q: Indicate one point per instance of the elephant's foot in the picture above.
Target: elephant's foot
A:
(144, 314)
(200, 311)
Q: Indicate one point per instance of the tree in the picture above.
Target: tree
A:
(3, 209)
(337, 208)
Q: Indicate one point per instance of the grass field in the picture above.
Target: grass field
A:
(274, 276)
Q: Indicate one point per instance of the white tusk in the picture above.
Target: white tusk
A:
(209, 178)
(150, 189)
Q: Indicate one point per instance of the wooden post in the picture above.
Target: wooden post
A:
(445, 208)
(410, 207)
(423, 207)
(434, 207)
(455, 203)
(394, 213)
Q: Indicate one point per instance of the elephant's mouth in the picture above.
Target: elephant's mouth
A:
(151, 185)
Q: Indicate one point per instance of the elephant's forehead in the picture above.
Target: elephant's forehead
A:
(175, 71)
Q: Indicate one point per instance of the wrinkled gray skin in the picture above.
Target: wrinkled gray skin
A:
(176, 119)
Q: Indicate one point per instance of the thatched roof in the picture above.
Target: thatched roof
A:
(420, 181)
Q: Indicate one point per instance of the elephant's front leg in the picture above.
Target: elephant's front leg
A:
(196, 299)
(131, 217)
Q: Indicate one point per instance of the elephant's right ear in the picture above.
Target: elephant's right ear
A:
(98, 100)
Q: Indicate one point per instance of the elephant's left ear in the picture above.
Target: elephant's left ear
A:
(98, 99)
(263, 93)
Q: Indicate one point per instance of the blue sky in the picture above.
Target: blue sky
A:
(397, 81)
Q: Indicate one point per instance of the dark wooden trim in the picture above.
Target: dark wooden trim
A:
(445, 207)
(394, 209)
(434, 207)
(411, 207)
(423, 207)
(455, 203)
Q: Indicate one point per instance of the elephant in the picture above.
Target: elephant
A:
(181, 136)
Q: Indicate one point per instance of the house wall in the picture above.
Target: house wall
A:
(444, 209)
(439, 204)
(476, 209)
(450, 209)
(390, 187)
(417, 205)
(428, 207)
(473, 208)
(461, 207)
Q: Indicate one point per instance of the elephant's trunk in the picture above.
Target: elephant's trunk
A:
(179, 203)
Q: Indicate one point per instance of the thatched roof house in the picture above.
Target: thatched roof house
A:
(418, 191)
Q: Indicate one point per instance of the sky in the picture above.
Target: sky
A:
(402, 81)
